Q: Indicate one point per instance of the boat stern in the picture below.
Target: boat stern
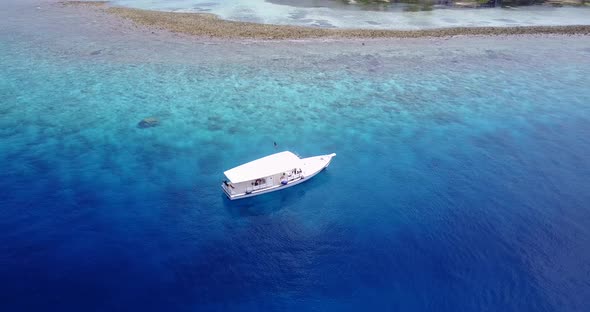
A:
(226, 190)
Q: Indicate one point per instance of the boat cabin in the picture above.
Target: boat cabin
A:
(271, 171)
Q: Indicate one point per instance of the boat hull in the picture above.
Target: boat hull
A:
(311, 166)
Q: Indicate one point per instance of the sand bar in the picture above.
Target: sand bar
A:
(208, 25)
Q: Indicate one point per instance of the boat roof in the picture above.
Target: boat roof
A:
(264, 167)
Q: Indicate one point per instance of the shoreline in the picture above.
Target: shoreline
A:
(211, 26)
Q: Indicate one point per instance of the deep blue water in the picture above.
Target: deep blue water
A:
(461, 181)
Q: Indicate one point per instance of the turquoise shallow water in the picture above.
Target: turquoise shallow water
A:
(460, 182)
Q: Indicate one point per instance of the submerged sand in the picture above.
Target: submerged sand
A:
(208, 25)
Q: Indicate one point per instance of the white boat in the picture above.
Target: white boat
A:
(272, 173)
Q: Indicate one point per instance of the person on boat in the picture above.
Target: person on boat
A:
(228, 184)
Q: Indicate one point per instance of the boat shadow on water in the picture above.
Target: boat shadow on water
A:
(275, 201)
